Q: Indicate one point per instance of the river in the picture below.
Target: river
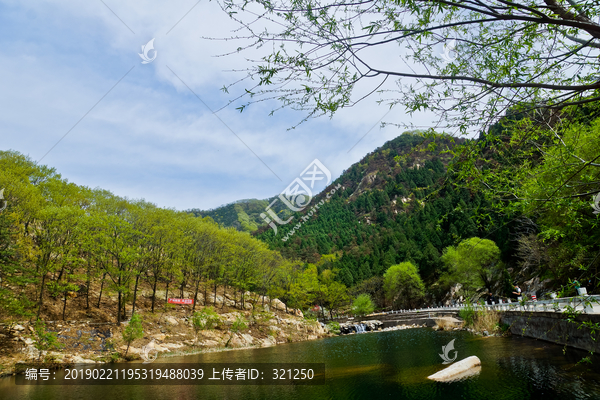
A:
(378, 365)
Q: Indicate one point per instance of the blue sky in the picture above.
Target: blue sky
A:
(150, 137)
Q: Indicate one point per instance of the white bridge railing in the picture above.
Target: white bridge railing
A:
(587, 304)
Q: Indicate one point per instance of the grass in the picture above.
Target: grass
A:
(482, 319)
(444, 324)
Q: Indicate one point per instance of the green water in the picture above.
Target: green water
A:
(373, 366)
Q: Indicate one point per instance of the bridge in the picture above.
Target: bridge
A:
(566, 321)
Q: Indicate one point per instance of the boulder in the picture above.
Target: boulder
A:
(19, 328)
(28, 341)
(247, 339)
(132, 349)
(172, 321)
(31, 352)
(278, 304)
(236, 341)
(268, 341)
(210, 343)
(459, 370)
(159, 336)
(77, 359)
(172, 345)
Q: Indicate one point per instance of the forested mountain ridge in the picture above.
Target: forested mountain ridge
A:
(396, 204)
(243, 215)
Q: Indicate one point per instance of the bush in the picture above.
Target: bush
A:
(205, 319)
(468, 314)
(363, 305)
(239, 324)
(334, 327)
(134, 330)
(260, 318)
(44, 340)
(310, 315)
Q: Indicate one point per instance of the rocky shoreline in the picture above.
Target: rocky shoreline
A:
(166, 335)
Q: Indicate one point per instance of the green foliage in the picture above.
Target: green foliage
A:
(507, 53)
(334, 327)
(44, 340)
(134, 330)
(206, 318)
(57, 237)
(474, 263)
(403, 285)
(467, 313)
(239, 324)
(363, 305)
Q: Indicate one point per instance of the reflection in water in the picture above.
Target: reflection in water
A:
(391, 364)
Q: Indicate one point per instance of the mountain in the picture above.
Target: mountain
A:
(243, 215)
(397, 204)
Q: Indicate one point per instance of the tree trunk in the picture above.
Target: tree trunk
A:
(167, 294)
(126, 351)
(137, 278)
(101, 288)
(65, 305)
(224, 289)
(88, 284)
(61, 274)
(154, 293)
(196, 294)
(41, 297)
(215, 296)
(119, 310)
(119, 304)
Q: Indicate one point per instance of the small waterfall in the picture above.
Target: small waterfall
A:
(361, 328)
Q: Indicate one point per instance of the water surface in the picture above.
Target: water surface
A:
(375, 365)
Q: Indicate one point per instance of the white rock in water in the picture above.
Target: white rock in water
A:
(462, 369)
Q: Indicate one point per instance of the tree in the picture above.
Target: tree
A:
(44, 340)
(467, 61)
(363, 305)
(474, 263)
(134, 330)
(403, 285)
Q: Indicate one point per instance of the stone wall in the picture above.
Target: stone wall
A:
(553, 327)
(399, 318)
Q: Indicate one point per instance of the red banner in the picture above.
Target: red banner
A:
(181, 301)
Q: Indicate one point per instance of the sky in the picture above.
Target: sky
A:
(76, 96)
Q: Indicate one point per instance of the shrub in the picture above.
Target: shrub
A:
(134, 330)
(468, 314)
(205, 319)
(363, 305)
(239, 324)
(334, 327)
(44, 340)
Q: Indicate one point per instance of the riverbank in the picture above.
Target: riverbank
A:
(169, 332)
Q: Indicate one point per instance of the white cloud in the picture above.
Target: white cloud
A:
(150, 136)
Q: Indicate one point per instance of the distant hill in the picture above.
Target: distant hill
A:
(243, 215)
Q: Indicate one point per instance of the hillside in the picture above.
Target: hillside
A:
(243, 215)
(398, 203)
